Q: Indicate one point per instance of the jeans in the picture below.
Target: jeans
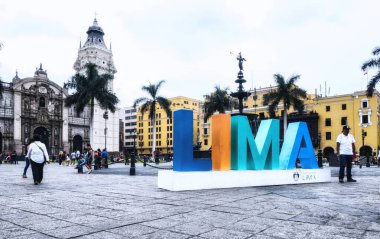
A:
(345, 160)
(27, 163)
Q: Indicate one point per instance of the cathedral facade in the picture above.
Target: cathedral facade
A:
(35, 105)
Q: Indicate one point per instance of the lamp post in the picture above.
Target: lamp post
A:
(105, 116)
(319, 154)
(132, 170)
(167, 150)
(368, 163)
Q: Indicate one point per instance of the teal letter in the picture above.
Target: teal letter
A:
(297, 144)
(257, 154)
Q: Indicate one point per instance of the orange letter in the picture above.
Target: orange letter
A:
(221, 142)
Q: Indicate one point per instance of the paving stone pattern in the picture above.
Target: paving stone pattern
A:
(111, 204)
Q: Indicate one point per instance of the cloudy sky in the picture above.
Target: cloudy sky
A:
(188, 43)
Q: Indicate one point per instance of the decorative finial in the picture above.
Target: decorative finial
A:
(40, 66)
(95, 21)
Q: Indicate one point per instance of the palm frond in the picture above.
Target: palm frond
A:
(376, 51)
(165, 104)
(1, 88)
(107, 100)
(292, 80)
(298, 93)
(298, 104)
(139, 101)
(279, 79)
(145, 106)
(370, 64)
(372, 84)
(217, 101)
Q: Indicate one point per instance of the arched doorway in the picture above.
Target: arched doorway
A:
(77, 143)
(44, 136)
(329, 154)
(365, 151)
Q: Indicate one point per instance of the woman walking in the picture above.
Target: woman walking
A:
(38, 156)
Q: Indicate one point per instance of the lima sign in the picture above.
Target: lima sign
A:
(235, 148)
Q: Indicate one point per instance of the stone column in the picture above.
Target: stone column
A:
(17, 122)
(65, 129)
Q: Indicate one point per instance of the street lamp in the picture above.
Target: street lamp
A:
(167, 146)
(105, 116)
(368, 163)
(320, 155)
(132, 170)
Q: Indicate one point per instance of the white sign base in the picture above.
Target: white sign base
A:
(180, 181)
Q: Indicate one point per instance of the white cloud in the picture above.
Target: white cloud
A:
(187, 43)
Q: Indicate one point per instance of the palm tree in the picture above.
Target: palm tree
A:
(1, 89)
(88, 88)
(217, 101)
(287, 93)
(372, 63)
(1, 82)
(150, 104)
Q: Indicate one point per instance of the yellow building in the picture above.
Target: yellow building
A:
(164, 126)
(357, 110)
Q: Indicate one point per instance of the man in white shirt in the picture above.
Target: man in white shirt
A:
(38, 156)
(345, 148)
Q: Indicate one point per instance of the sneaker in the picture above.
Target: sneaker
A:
(35, 183)
(24, 176)
(341, 181)
(351, 180)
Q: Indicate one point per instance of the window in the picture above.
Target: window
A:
(205, 142)
(328, 122)
(344, 106)
(328, 135)
(364, 103)
(205, 131)
(262, 115)
(365, 119)
(327, 108)
(42, 102)
(343, 121)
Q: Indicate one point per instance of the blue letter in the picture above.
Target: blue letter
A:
(183, 144)
(297, 144)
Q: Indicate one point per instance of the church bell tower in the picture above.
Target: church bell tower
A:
(105, 133)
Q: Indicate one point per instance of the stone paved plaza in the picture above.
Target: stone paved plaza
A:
(111, 204)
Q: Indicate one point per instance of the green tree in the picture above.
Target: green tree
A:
(217, 101)
(1, 89)
(88, 88)
(373, 63)
(288, 93)
(151, 103)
